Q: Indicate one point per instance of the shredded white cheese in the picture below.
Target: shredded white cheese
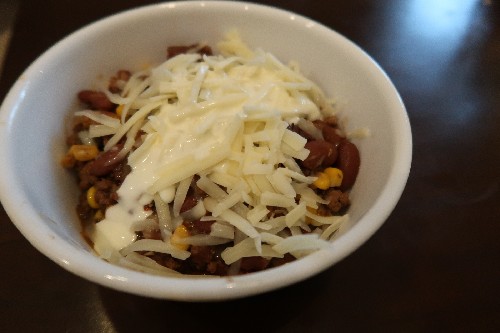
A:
(225, 119)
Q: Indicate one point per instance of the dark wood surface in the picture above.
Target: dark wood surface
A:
(434, 266)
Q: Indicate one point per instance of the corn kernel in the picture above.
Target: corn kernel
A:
(83, 152)
(322, 182)
(179, 233)
(335, 175)
(98, 216)
(119, 110)
(91, 198)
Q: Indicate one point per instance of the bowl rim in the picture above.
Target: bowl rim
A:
(96, 270)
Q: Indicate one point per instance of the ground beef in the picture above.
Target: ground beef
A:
(173, 51)
(337, 200)
(86, 179)
(117, 82)
(105, 194)
(84, 211)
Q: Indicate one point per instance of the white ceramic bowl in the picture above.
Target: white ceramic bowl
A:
(40, 197)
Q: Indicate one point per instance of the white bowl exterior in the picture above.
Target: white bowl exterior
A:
(40, 197)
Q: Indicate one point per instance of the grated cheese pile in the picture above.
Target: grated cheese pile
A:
(224, 118)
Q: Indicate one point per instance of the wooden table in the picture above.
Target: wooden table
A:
(435, 264)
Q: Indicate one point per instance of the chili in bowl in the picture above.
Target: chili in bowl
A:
(353, 95)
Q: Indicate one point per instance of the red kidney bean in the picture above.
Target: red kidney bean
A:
(106, 162)
(189, 203)
(253, 264)
(205, 50)
(199, 227)
(332, 121)
(321, 153)
(348, 162)
(319, 124)
(300, 132)
(330, 134)
(331, 156)
(96, 100)
(151, 234)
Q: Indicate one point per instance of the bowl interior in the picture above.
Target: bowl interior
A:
(40, 196)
